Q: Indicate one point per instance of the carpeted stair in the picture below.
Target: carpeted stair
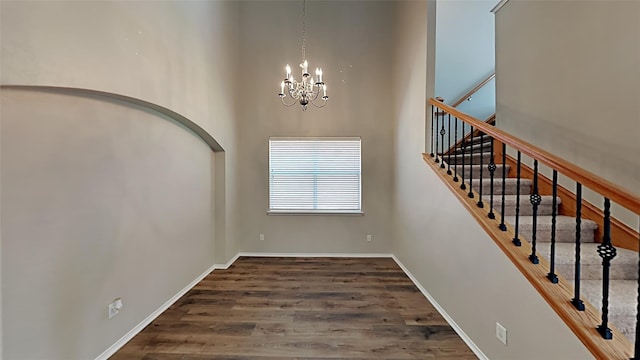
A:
(624, 268)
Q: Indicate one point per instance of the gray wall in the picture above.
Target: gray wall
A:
(465, 53)
(100, 201)
(456, 261)
(103, 199)
(569, 82)
(351, 41)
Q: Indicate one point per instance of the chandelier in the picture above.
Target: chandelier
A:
(306, 90)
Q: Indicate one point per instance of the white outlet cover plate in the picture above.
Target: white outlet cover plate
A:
(501, 333)
(113, 311)
(114, 307)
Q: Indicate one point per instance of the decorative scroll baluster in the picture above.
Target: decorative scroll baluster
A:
(433, 117)
(535, 199)
(470, 194)
(607, 252)
(554, 212)
(503, 226)
(435, 135)
(492, 170)
(516, 239)
(462, 185)
(449, 144)
(455, 157)
(442, 132)
(576, 282)
(480, 203)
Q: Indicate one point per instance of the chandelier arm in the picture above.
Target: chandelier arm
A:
(285, 104)
(315, 93)
(295, 92)
(319, 106)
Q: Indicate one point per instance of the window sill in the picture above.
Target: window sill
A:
(316, 212)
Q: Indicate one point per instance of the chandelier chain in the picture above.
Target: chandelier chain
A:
(304, 28)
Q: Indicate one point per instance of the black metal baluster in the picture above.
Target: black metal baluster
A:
(516, 239)
(480, 203)
(535, 199)
(470, 194)
(576, 277)
(554, 212)
(435, 135)
(462, 185)
(442, 132)
(449, 145)
(503, 226)
(455, 157)
(607, 252)
(492, 170)
(433, 116)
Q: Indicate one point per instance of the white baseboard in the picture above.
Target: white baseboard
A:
(312, 255)
(467, 340)
(228, 264)
(133, 332)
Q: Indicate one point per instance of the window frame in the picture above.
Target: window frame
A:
(358, 212)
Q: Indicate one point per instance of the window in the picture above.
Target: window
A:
(314, 175)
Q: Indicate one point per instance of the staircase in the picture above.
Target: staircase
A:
(624, 268)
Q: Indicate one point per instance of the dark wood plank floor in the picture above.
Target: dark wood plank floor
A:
(300, 308)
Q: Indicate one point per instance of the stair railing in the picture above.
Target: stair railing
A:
(591, 326)
(467, 97)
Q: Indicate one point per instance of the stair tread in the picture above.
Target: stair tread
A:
(474, 156)
(478, 145)
(508, 181)
(565, 253)
(486, 174)
(480, 139)
(487, 165)
(524, 200)
(474, 148)
(545, 221)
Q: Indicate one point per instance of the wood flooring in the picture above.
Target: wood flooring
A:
(266, 308)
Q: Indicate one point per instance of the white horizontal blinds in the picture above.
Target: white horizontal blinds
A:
(314, 174)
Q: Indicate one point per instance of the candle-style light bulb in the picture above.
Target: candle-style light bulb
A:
(282, 88)
(324, 88)
(304, 67)
(288, 72)
(319, 72)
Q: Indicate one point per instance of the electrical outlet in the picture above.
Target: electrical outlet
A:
(115, 307)
(369, 238)
(261, 237)
(501, 333)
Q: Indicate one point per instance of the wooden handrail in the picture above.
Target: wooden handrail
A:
(473, 91)
(588, 179)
